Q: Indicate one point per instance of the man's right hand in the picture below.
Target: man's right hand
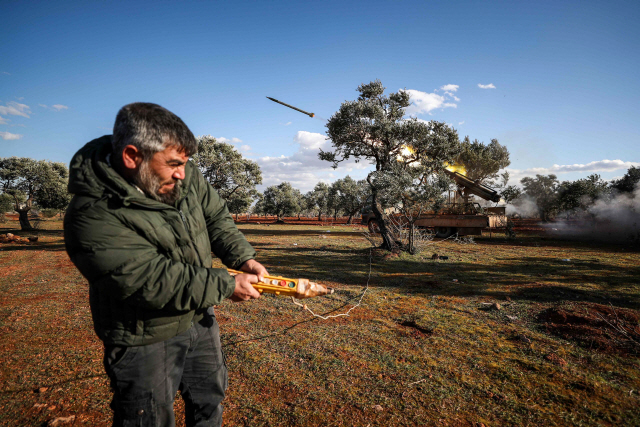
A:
(244, 291)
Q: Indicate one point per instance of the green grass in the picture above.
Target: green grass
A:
(420, 345)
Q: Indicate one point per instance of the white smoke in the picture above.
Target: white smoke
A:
(524, 207)
(614, 218)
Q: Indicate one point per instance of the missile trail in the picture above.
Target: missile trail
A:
(292, 107)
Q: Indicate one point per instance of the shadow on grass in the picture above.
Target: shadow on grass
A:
(559, 242)
(33, 247)
(40, 232)
(59, 383)
(286, 330)
(526, 278)
(297, 232)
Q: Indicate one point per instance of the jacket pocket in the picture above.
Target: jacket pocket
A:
(138, 413)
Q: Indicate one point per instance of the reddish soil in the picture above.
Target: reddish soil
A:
(523, 225)
(596, 326)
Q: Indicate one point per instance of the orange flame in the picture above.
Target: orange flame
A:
(455, 168)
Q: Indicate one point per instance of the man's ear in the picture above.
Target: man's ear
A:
(131, 157)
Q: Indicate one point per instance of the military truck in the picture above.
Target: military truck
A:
(460, 216)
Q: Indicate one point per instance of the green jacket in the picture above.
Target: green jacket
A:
(148, 264)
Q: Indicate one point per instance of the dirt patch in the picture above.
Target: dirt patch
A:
(595, 326)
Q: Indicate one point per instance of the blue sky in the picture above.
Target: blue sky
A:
(565, 96)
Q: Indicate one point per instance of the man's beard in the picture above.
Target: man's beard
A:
(150, 183)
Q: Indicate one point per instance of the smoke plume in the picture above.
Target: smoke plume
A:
(614, 218)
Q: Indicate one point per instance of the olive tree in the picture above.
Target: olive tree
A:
(576, 197)
(349, 196)
(483, 162)
(234, 177)
(544, 190)
(629, 182)
(6, 205)
(412, 192)
(374, 128)
(34, 183)
(318, 199)
(281, 200)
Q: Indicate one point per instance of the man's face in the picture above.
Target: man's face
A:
(161, 176)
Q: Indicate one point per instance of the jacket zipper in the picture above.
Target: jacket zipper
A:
(186, 226)
(184, 221)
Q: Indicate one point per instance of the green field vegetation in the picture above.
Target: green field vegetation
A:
(425, 347)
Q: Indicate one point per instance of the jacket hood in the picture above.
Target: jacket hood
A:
(90, 174)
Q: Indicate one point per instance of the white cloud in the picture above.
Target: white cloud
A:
(596, 166)
(461, 123)
(422, 102)
(288, 123)
(245, 148)
(489, 86)
(303, 169)
(450, 88)
(4, 72)
(55, 107)
(3, 121)
(15, 109)
(228, 141)
(9, 136)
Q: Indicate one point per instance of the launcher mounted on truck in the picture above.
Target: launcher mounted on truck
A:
(460, 216)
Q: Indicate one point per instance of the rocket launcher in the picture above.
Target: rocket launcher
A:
(297, 288)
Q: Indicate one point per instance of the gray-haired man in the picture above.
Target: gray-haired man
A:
(141, 228)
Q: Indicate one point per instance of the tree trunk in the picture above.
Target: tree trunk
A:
(412, 241)
(320, 216)
(350, 220)
(388, 241)
(23, 215)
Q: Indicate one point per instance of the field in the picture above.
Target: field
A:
(526, 331)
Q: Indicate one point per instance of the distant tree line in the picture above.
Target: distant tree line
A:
(570, 198)
(408, 158)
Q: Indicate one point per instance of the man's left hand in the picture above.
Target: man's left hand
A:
(254, 267)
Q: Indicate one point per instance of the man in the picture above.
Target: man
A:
(141, 228)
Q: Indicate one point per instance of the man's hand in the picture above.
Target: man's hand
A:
(254, 267)
(244, 291)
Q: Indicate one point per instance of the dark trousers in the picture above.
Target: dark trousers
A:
(145, 379)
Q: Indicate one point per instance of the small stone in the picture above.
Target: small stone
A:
(512, 318)
(454, 280)
(43, 389)
(378, 408)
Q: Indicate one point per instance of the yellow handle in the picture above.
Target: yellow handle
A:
(298, 288)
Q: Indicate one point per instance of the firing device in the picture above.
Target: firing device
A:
(297, 288)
